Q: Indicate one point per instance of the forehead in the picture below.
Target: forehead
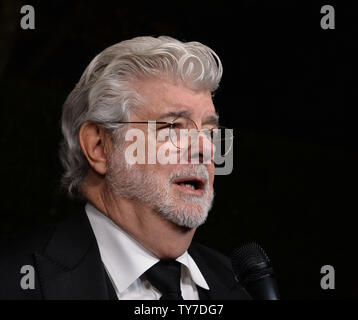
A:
(163, 96)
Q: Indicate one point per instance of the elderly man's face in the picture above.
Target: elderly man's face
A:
(181, 193)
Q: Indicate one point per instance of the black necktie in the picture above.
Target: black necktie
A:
(165, 276)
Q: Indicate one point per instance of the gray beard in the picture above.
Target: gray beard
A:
(131, 182)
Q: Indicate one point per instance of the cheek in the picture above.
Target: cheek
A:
(162, 171)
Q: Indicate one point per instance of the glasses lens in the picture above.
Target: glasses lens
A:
(180, 129)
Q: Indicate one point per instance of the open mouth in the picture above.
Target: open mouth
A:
(190, 184)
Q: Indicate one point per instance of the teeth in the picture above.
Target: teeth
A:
(187, 185)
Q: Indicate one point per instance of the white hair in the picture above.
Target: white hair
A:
(105, 91)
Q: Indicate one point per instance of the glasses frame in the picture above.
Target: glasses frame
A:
(171, 128)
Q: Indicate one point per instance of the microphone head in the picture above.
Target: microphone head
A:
(250, 263)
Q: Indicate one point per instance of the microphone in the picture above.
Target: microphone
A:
(253, 270)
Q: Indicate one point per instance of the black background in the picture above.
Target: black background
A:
(289, 91)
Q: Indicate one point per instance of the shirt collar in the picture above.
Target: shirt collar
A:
(195, 273)
(124, 257)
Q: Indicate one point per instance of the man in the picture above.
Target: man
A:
(134, 238)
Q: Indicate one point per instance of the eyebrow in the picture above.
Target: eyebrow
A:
(175, 114)
(210, 119)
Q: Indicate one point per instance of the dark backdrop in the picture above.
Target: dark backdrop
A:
(288, 90)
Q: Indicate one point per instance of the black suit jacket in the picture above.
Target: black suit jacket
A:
(67, 265)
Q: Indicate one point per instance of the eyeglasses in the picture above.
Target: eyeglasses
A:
(182, 127)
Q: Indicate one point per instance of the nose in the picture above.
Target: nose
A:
(200, 148)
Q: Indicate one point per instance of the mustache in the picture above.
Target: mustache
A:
(195, 170)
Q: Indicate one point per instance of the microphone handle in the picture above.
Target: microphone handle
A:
(264, 288)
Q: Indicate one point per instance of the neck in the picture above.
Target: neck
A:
(160, 236)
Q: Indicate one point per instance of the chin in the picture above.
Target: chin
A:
(187, 216)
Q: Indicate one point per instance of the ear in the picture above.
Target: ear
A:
(94, 144)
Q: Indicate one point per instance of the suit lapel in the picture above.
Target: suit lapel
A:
(70, 266)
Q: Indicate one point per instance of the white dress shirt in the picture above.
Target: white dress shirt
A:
(126, 261)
